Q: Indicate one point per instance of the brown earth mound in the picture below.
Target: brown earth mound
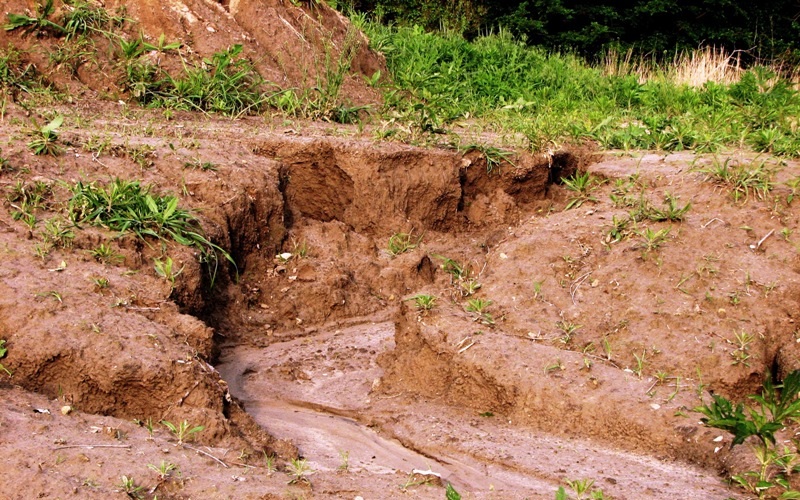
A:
(291, 45)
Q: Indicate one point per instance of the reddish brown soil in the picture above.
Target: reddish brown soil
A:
(323, 355)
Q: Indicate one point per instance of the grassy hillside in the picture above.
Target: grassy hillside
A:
(551, 98)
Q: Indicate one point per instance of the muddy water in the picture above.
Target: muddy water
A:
(317, 389)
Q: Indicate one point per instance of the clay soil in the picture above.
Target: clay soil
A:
(587, 363)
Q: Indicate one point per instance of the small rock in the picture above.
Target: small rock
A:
(655, 406)
(66, 410)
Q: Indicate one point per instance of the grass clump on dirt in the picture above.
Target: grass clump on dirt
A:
(776, 407)
(550, 98)
(223, 84)
(127, 206)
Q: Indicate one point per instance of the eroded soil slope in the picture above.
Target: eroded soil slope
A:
(327, 331)
(527, 334)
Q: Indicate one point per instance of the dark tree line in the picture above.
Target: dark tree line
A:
(765, 28)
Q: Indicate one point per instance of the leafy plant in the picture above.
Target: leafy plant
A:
(3, 352)
(478, 308)
(165, 269)
(299, 470)
(453, 268)
(128, 206)
(776, 405)
(568, 330)
(44, 141)
(494, 156)
(57, 233)
(225, 84)
(581, 186)
(741, 354)
(450, 493)
(671, 211)
(38, 24)
(198, 164)
(129, 487)
(402, 242)
(269, 463)
(424, 302)
(164, 469)
(742, 180)
(105, 254)
(652, 240)
(182, 431)
(582, 489)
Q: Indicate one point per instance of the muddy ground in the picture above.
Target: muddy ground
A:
(586, 364)
(325, 351)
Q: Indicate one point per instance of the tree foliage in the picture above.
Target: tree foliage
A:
(766, 29)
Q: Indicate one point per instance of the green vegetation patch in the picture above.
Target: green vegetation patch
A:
(127, 206)
(552, 98)
(223, 84)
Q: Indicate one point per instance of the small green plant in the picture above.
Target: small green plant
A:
(165, 269)
(494, 156)
(619, 229)
(299, 470)
(161, 45)
(742, 180)
(105, 254)
(652, 240)
(581, 186)
(128, 206)
(142, 155)
(164, 469)
(794, 189)
(45, 138)
(582, 489)
(456, 271)
(568, 330)
(71, 55)
(671, 211)
(741, 353)
(402, 243)
(344, 464)
(424, 302)
(52, 293)
(469, 286)
(57, 233)
(100, 283)
(450, 493)
(556, 365)
(38, 24)
(776, 406)
(269, 463)
(478, 308)
(640, 360)
(197, 163)
(183, 431)
(537, 288)
(3, 352)
(129, 487)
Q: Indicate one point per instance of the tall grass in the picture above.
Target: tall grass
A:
(553, 98)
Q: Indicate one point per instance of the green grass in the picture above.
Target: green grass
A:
(127, 206)
(550, 98)
(774, 409)
(224, 83)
